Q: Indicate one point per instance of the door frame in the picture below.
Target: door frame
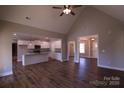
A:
(78, 47)
(70, 42)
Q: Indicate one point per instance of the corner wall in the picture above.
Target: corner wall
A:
(5, 52)
(110, 34)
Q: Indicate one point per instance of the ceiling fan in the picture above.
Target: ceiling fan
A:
(67, 9)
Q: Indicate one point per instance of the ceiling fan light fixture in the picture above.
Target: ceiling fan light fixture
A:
(66, 11)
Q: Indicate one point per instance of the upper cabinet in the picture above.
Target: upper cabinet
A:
(57, 44)
(31, 44)
(45, 45)
(22, 42)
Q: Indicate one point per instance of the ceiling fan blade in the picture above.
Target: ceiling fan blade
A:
(76, 6)
(72, 13)
(69, 6)
(57, 7)
(61, 14)
(64, 6)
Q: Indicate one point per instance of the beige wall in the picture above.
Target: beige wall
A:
(110, 36)
(5, 52)
(6, 31)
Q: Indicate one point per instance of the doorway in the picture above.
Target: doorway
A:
(71, 50)
(14, 52)
(88, 47)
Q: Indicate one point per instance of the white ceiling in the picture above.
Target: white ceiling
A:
(42, 16)
(116, 11)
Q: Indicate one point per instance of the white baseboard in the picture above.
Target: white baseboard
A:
(88, 57)
(113, 68)
(6, 73)
(76, 61)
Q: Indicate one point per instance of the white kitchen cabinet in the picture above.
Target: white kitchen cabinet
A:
(58, 44)
(45, 44)
(31, 44)
(22, 42)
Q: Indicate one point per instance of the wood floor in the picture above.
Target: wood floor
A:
(55, 74)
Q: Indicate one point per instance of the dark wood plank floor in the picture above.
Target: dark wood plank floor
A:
(55, 74)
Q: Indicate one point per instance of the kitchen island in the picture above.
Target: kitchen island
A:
(33, 58)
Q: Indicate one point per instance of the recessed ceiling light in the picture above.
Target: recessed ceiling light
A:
(92, 39)
(14, 34)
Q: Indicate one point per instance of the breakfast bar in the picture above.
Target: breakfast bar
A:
(33, 58)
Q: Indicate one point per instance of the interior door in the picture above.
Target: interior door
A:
(71, 50)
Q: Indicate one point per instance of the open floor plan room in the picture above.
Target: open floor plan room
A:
(61, 46)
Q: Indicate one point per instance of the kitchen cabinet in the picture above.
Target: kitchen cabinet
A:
(31, 44)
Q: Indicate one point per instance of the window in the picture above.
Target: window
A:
(82, 47)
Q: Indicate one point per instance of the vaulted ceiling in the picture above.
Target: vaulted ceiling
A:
(116, 11)
(42, 16)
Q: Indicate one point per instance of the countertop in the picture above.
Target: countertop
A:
(29, 54)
